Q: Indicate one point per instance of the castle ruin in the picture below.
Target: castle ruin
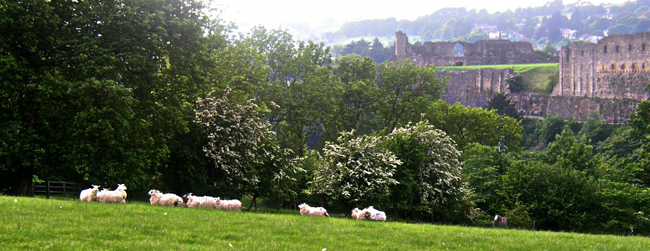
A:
(607, 78)
(484, 52)
(617, 67)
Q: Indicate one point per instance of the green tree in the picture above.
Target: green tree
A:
(515, 83)
(483, 166)
(467, 125)
(503, 106)
(406, 90)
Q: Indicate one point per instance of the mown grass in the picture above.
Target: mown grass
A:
(535, 75)
(42, 224)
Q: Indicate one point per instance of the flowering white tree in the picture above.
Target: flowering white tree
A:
(430, 178)
(355, 171)
(241, 144)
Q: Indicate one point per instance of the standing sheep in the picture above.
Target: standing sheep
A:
(117, 196)
(317, 211)
(89, 194)
(167, 199)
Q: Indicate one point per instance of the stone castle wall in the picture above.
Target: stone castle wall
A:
(617, 67)
(484, 52)
(476, 87)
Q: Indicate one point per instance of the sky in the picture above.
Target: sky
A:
(322, 16)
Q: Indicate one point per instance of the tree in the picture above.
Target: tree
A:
(466, 125)
(241, 145)
(556, 198)
(503, 106)
(430, 185)
(355, 171)
(515, 83)
(484, 166)
(406, 89)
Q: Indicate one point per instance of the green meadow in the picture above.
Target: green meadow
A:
(56, 224)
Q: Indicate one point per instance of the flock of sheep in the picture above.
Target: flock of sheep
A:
(169, 199)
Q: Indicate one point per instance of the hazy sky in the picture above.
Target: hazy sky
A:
(324, 14)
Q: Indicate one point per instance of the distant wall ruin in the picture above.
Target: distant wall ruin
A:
(484, 52)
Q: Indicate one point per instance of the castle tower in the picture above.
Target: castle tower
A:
(401, 44)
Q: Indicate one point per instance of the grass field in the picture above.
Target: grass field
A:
(42, 224)
(535, 75)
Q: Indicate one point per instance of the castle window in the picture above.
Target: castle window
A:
(582, 53)
(617, 49)
(613, 66)
(642, 47)
(633, 66)
(643, 66)
(629, 47)
(605, 49)
(623, 66)
(459, 51)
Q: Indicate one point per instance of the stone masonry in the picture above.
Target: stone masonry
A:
(484, 52)
(617, 67)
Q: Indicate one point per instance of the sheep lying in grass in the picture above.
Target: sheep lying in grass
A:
(89, 194)
(116, 196)
(200, 201)
(234, 205)
(317, 211)
(358, 214)
(374, 214)
(167, 199)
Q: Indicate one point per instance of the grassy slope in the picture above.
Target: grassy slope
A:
(535, 75)
(38, 224)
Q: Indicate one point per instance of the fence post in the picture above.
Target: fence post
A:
(48, 189)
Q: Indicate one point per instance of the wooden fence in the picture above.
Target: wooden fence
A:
(57, 187)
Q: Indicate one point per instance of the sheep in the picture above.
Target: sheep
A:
(374, 214)
(117, 196)
(200, 201)
(89, 194)
(234, 205)
(167, 199)
(317, 211)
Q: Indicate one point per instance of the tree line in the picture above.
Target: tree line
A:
(162, 94)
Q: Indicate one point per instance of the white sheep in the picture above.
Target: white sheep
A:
(116, 196)
(167, 199)
(89, 194)
(374, 214)
(234, 205)
(358, 214)
(200, 201)
(317, 211)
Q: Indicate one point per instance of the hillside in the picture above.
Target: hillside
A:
(554, 23)
(535, 75)
(38, 224)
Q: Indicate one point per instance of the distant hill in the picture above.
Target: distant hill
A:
(552, 24)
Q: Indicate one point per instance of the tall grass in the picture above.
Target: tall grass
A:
(42, 224)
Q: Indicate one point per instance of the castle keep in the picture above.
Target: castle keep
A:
(617, 67)
(484, 52)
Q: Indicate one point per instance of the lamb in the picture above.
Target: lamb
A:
(234, 205)
(200, 201)
(317, 211)
(374, 214)
(116, 196)
(89, 194)
(167, 199)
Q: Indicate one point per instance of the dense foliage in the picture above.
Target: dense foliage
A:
(132, 92)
